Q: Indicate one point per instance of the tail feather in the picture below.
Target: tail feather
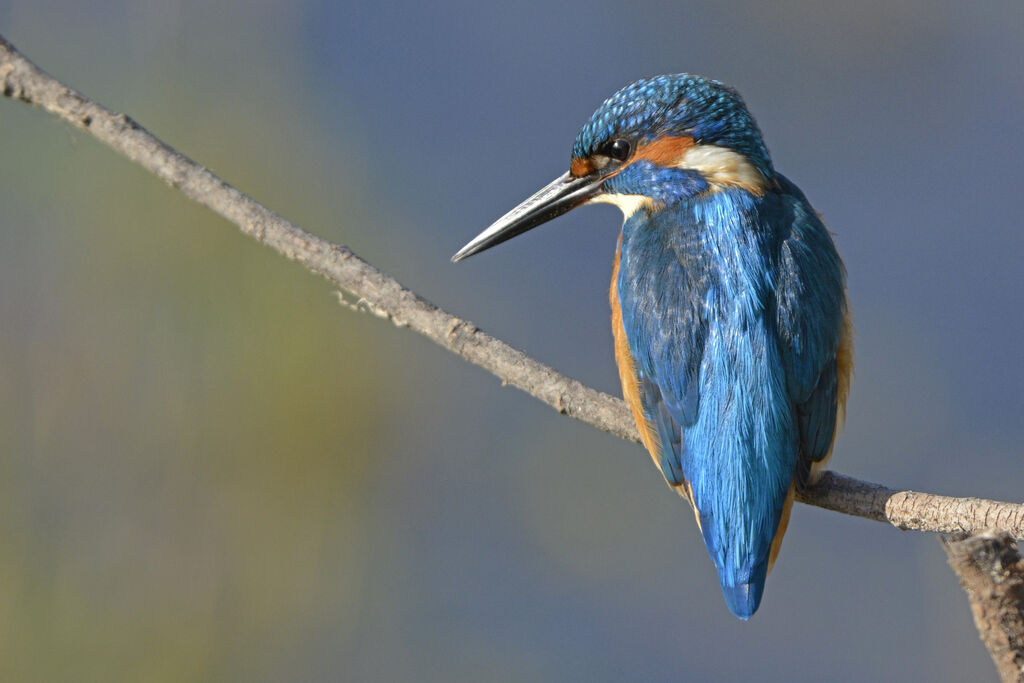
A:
(744, 599)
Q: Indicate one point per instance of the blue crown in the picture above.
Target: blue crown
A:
(677, 104)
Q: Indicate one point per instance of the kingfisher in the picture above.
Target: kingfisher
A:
(729, 314)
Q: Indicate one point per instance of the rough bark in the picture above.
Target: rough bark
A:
(992, 573)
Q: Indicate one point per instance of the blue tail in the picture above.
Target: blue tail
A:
(744, 599)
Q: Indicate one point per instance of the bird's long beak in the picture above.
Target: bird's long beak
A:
(557, 197)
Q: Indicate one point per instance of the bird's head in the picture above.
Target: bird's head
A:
(656, 142)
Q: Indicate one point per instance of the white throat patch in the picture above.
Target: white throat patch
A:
(627, 203)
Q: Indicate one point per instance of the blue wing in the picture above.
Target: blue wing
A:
(731, 307)
(811, 312)
(668, 332)
(670, 436)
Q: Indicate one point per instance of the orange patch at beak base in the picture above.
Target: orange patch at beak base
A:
(581, 167)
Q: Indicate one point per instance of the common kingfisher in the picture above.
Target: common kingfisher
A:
(729, 312)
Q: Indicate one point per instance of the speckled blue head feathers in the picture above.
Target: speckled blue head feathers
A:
(681, 105)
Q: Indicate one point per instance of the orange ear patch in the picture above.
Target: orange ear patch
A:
(666, 151)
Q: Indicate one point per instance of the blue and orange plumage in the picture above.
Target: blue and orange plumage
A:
(729, 313)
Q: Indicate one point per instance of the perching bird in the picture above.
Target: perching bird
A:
(729, 311)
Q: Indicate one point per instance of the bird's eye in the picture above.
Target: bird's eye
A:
(617, 149)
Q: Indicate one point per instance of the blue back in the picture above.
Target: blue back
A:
(732, 306)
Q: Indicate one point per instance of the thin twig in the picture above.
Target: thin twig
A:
(385, 297)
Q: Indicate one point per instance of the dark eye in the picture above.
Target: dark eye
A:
(617, 149)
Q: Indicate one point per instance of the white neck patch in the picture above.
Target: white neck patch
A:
(722, 166)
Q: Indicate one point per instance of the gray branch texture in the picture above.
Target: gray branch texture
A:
(991, 572)
(20, 79)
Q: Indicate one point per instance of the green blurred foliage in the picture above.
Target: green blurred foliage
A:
(188, 421)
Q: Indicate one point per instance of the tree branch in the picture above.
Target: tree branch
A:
(385, 297)
(992, 573)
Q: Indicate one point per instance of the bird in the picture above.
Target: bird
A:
(730, 320)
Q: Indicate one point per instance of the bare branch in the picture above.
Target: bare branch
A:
(992, 573)
(385, 297)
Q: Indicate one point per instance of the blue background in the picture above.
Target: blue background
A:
(211, 471)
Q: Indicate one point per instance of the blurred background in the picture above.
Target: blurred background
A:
(211, 471)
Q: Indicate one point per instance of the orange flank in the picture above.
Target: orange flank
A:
(627, 368)
(631, 385)
(787, 507)
(844, 368)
